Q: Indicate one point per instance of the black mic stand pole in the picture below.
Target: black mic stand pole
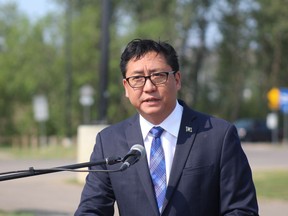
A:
(34, 172)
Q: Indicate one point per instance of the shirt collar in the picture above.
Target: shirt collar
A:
(171, 124)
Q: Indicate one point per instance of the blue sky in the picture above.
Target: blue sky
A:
(34, 8)
(37, 8)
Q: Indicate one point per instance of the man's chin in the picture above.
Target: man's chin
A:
(151, 109)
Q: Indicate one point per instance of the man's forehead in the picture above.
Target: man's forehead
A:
(150, 56)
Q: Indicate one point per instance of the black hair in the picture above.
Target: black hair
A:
(139, 47)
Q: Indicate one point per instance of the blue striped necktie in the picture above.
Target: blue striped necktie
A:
(157, 166)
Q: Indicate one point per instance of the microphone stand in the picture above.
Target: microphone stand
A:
(33, 172)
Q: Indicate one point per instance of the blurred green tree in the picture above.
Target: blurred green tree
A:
(228, 78)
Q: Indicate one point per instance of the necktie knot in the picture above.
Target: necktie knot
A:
(156, 131)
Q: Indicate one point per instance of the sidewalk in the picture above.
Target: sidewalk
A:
(268, 156)
(57, 194)
(54, 194)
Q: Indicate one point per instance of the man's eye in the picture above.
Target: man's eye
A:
(136, 78)
(158, 75)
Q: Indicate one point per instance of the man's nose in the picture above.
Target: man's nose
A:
(149, 84)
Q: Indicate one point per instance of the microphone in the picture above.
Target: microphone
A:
(136, 152)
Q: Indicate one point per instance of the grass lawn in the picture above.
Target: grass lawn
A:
(15, 214)
(271, 184)
(45, 152)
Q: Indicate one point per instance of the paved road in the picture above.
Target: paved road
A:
(50, 194)
(269, 157)
(266, 156)
(57, 194)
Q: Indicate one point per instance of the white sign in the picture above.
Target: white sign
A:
(86, 95)
(272, 121)
(40, 107)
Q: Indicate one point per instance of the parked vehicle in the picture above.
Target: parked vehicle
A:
(253, 130)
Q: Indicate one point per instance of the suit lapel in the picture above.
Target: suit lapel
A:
(186, 136)
(134, 136)
(187, 133)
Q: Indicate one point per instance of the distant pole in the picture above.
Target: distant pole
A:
(103, 79)
(285, 128)
(41, 115)
(68, 103)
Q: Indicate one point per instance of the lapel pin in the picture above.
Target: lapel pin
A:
(188, 129)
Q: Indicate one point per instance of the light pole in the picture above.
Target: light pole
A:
(68, 102)
(105, 40)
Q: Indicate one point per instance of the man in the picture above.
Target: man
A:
(199, 169)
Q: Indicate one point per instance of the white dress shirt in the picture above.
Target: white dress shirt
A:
(169, 136)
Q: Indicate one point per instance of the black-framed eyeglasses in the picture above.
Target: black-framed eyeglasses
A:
(156, 78)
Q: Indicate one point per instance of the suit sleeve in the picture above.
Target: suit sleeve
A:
(97, 196)
(237, 191)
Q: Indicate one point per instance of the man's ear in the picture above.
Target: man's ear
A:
(126, 85)
(178, 80)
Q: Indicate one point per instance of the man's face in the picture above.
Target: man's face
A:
(154, 103)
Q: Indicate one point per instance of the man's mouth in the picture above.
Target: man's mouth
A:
(151, 100)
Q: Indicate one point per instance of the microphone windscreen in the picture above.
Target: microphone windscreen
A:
(140, 149)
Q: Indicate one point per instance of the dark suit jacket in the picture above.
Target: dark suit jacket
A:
(210, 174)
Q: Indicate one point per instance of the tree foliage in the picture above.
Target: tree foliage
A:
(228, 77)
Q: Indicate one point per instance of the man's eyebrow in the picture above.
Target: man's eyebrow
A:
(141, 72)
(137, 73)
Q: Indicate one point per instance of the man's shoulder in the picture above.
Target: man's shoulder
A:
(122, 125)
(204, 117)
